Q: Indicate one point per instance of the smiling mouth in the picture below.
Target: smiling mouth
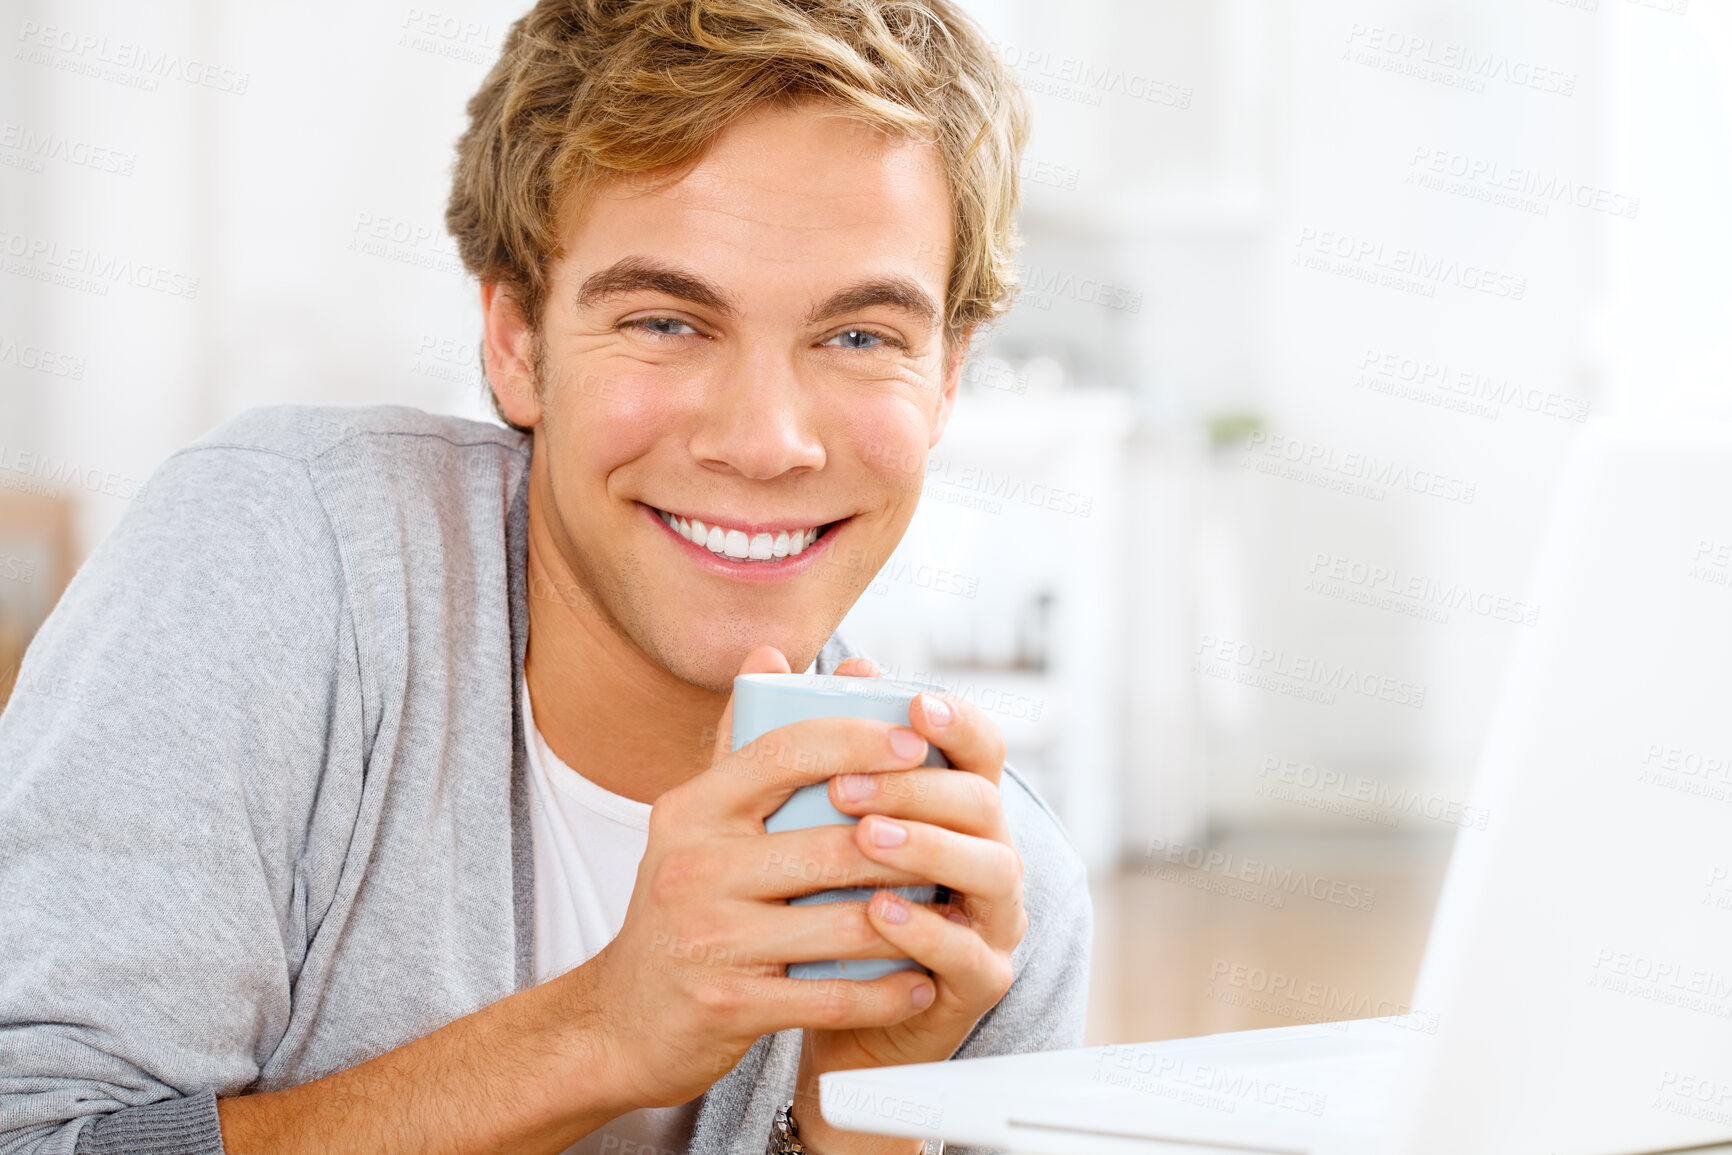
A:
(744, 545)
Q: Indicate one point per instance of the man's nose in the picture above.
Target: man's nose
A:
(758, 419)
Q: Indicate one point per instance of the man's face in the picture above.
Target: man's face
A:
(757, 348)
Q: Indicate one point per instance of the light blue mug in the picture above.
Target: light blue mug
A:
(762, 702)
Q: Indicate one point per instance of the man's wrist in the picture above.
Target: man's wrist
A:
(818, 1137)
(589, 1055)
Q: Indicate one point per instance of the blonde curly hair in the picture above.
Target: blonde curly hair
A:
(590, 91)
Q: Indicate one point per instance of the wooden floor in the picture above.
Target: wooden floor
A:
(1266, 932)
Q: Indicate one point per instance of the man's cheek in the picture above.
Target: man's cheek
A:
(893, 445)
(609, 419)
(603, 389)
(897, 469)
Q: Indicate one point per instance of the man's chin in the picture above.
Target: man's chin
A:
(713, 666)
(702, 638)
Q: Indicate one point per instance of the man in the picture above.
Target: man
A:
(393, 810)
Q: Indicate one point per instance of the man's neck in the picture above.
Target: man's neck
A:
(607, 710)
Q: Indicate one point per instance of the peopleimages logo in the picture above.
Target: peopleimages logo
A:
(1463, 390)
(86, 268)
(853, 1100)
(1312, 678)
(1409, 269)
(1449, 64)
(66, 474)
(1388, 587)
(1357, 796)
(1711, 562)
(1669, 981)
(1072, 78)
(1526, 188)
(1695, 1096)
(1357, 474)
(1706, 774)
(121, 62)
(33, 146)
(453, 37)
(1040, 286)
(1257, 873)
(1262, 989)
(42, 360)
(1224, 1088)
(406, 242)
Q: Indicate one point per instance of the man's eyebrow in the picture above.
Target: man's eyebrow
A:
(633, 274)
(902, 293)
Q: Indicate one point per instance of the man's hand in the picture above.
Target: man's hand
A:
(696, 973)
(946, 827)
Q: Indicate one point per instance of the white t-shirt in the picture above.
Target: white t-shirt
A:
(588, 843)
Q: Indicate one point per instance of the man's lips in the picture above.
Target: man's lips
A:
(764, 550)
(727, 523)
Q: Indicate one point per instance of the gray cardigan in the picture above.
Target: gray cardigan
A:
(263, 805)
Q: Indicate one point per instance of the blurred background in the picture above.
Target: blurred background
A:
(1232, 530)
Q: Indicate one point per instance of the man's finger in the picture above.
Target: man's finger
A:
(970, 974)
(986, 872)
(965, 803)
(763, 660)
(983, 867)
(777, 1003)
(970, 739)
(758, 777)
(810, 932)
(859, 668)
(795, 862)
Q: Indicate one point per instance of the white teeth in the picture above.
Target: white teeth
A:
(736, 543)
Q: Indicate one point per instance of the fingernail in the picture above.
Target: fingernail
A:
(907, 743)
(922, 996)
(895, 910)
(887, 833)
(856, 786)
(937, 710)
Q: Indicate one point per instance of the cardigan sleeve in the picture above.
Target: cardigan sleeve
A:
(161, 775)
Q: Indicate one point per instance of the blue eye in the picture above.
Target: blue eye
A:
(665, 326)
(856, 339)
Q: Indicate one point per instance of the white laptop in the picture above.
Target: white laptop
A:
(1576, 992)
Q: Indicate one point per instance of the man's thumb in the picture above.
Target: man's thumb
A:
(763, 660)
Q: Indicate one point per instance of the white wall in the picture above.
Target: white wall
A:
(1308, 132)
(1352, 142)
(293, 160)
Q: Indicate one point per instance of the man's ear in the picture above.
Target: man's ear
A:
(955, 356)
(508, 352)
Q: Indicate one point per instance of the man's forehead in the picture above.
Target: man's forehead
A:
(804, 208)
(793, 187)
